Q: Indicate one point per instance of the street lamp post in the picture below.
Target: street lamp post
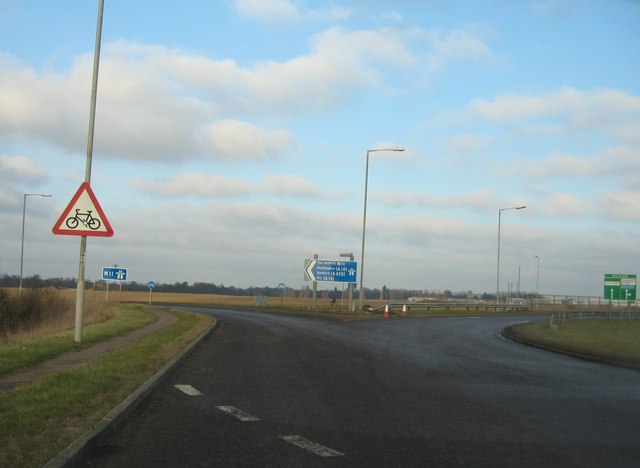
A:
(537, 280)
(24, 210)
(498, 273)
(364, 217)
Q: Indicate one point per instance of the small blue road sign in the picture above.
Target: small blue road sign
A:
(151, 284)
(330, 270)
(114, 274)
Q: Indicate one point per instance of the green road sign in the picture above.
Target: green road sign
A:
(619, 287)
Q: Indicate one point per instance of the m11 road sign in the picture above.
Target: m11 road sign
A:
(114, 274)
(620, 287)
(330, 270)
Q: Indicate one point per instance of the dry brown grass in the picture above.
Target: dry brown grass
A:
(95, 311)
(142, 297)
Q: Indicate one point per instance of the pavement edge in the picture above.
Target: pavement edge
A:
(84, 445)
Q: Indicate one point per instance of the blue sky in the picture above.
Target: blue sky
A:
(231, 138)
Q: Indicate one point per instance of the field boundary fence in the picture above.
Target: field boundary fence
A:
(558, 318)
(577, 301)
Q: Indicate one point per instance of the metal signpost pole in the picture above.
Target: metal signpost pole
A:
(315, 289)
(87, 176)
(350, 255)
(151, 285)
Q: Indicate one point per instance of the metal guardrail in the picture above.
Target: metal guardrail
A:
(469, 307)
(581, 301)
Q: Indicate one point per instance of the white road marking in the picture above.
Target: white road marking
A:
(238, 413)
(312, 447)
(518, 322)
(188, 389)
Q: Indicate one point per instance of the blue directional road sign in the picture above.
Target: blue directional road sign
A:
(330, 270)
(114, 274)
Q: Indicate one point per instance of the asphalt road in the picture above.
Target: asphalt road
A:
(276, 390)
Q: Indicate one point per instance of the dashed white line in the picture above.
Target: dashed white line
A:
(238, 413)
(312, 447)
(188, 389)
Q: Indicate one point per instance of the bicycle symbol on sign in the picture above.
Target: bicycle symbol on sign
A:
(85, 218)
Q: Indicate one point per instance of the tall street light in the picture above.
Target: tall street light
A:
(364, 217)
(498, 274)
(24, 209)
(537, 279)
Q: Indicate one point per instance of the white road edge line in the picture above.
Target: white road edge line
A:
(188, 389)
(238, 413)
(312, 447)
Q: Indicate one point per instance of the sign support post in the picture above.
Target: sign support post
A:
(350, 256)
(151, 285)
(87, 177)
(315, 289)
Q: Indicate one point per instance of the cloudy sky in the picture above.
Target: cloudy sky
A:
(231, 139)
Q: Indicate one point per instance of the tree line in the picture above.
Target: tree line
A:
(384, 293)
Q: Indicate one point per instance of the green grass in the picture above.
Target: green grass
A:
(37, 421)
(32, 351)
(615, 340)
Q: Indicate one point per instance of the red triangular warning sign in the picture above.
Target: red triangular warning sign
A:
(83, 216)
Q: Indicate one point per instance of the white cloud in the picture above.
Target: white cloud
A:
(557, 165)
(620, 162)
(163, 104)
(216, 186)
(195, 185)
(456, 44)
(288, 185)
(154, 102)
(267, 10)
(553, 7)
(466, 143)
(622, 205)
(482, 200)
(581, 107)
(20, 167)
(234, 140)
(275, 11)
(565, 204)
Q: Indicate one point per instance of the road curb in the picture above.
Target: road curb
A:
(84, 445)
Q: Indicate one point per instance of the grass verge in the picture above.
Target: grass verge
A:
(37, 349)
(37, 421)
(617, 341)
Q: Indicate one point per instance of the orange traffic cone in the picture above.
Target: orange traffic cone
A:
(386, 311)
(404, 310)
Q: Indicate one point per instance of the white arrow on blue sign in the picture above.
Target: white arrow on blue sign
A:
(114, 274)
(330, 270)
